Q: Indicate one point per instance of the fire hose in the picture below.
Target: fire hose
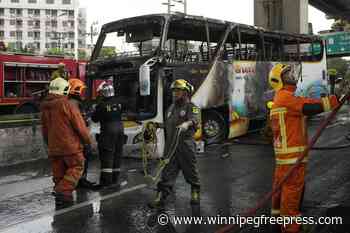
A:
(262, 202)
(149, 136)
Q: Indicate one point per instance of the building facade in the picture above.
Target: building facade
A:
(42, 25)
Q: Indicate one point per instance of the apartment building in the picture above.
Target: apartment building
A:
(40, 25)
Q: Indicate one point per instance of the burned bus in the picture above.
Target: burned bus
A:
(228, 64)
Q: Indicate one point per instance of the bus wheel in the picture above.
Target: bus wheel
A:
(26, 109)
(214, 127)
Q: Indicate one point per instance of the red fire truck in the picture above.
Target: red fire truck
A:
(24, 79)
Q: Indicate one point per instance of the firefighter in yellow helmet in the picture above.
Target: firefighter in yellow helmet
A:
(184, 115)
(60, 72)
(65, 133)
(288, 114)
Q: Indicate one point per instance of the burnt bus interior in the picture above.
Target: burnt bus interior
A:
(194, 42)
(188, 41)
(138, 40)
(196, 39)
(128, 92)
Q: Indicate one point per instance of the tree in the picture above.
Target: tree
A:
(55, 51)
(82, 55)
(341, 66)
(107, 52)
(341, 25)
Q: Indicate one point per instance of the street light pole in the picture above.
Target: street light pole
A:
(76, 36)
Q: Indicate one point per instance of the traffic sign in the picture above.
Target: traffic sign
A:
(338, 43)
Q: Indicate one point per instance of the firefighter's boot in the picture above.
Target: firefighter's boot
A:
(195, 196)
(159, 202)
(63, 200)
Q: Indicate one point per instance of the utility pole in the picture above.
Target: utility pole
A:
(184, 2)
(92, 33)
(169, 5)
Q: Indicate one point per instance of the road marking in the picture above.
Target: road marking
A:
(74, 207)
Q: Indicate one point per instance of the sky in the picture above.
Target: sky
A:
(240, 11)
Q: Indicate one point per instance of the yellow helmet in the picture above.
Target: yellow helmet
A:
(182, 84)
(275, 76)
(59, 86)
(269, 105)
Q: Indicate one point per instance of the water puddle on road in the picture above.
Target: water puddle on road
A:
(41, 225)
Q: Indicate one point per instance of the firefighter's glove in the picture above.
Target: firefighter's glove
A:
(164, 162)
(184, 126)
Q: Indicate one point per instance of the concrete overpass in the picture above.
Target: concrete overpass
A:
(333, 8)
(292, 15)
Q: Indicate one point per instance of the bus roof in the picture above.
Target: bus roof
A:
(216, 24)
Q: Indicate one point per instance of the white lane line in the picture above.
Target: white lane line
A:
(74, 207)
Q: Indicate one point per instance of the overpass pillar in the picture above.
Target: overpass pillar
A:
(284, 15)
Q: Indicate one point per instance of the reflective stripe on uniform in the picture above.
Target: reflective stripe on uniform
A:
(71, 179)
(116, 169)
(284, 149)
(278, 110)
(283, 130)
(326, 104)
(289, 150)
(275, 211)
(107, 170)
(289, 161)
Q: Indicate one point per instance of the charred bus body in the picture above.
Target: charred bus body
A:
(227, 63)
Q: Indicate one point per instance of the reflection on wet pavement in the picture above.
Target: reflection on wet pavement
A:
(233, 177)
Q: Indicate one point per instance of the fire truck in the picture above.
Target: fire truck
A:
(24, 79)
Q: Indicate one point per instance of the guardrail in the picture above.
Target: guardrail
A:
(21, 139)
(15, 120)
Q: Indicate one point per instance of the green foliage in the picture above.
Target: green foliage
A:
(107, 52)
(341, 66)
(55, 51)
(82, 55)
(11, 47)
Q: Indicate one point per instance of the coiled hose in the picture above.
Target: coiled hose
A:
(149, 134)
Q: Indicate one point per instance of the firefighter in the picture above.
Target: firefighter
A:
(288, 119)
(111, 138)
(65, 133)
(76, 97)
(184, 115)
(60, 72)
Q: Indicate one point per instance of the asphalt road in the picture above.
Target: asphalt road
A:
(234, 176)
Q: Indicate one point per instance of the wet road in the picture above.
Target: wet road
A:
(233, 176)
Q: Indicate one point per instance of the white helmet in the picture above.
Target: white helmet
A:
(105, 89)
(59, 86)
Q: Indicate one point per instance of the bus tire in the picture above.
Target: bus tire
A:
(214, 127)
(26, 109)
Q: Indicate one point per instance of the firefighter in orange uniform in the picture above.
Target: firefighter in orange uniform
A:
(76, 97)
(64, 132)
(288, 118)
